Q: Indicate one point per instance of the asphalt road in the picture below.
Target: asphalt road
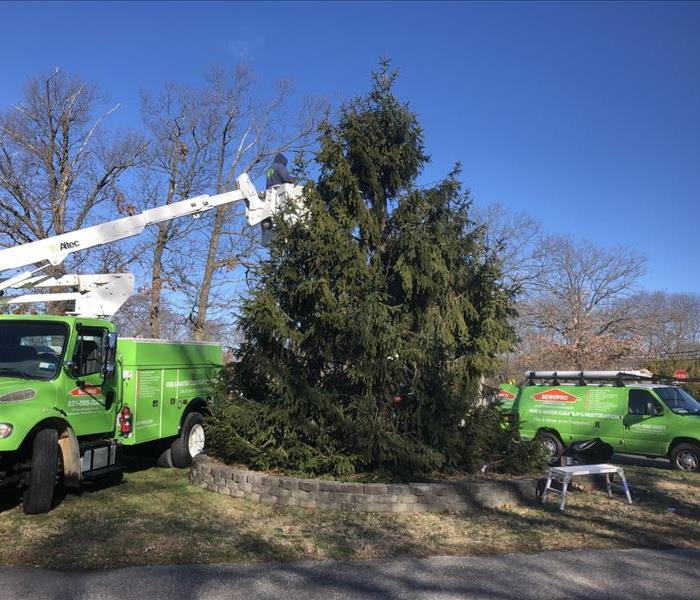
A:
(621, 574)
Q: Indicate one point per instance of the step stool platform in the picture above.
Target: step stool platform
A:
(566, 474)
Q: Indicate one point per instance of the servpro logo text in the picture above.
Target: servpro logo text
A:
(555, 395)
(89, 390)
(505, 395)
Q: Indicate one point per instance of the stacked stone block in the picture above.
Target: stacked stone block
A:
(359, 497)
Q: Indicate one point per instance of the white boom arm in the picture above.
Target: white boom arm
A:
(96, 295)
(104, 294)
(55, 249)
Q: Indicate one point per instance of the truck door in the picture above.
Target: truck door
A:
(645, 425)
(90, 404)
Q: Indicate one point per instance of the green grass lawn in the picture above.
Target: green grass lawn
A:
(155, 517)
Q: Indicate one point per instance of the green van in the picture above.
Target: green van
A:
(630, 411)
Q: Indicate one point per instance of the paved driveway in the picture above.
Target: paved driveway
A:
(633, 574)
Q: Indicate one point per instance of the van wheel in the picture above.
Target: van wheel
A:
(686, 457)
(552, 443)
(190, 442)
(42, 476)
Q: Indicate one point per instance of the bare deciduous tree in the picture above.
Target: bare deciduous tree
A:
(57, 165)
(203, 138)
(518, 241)
(577, 314)
(183, 138)
(667, 323)
(248, 133)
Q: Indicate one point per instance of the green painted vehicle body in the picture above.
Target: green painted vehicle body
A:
(64, 384)
(160, 380)
(507, 394)
(634, 419)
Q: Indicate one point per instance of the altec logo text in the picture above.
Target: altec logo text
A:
(64, 246)
(69, 245)
(555, 395)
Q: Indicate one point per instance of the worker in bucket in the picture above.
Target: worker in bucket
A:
(277, 173)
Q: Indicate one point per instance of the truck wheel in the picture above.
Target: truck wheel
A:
(686, 457)
(552, 443)
(42, 476)
(165, 459)
(190, 443)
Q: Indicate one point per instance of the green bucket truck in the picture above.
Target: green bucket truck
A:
(72, 394)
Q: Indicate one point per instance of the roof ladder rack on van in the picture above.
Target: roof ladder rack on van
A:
(619, 378)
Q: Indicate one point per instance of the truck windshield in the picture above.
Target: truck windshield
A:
(31, 349)
(679, 401)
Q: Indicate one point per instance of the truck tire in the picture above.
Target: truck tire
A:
(42, 476)
(190, 442)
(165, 459)
(686, 457)
(552, 443)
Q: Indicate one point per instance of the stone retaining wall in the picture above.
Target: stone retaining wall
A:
(359, 497)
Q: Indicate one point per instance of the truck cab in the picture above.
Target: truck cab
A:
(56, 368)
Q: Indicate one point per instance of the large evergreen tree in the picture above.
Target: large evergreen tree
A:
(373, 321)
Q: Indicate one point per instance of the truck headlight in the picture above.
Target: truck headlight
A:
(5, 430)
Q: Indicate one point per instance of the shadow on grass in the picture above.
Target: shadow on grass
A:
(133, 462)
(10, 498)
(155, 517)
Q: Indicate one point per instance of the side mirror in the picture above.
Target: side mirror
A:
(72, 368)
(109, 354)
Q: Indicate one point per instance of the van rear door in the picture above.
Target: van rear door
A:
(604, 410)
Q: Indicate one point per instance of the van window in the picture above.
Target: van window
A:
(639, 403)
(679, 401)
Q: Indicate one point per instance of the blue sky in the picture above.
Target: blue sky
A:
(587, 115)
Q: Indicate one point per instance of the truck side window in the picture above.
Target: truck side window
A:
(88, 351)
(640, 402)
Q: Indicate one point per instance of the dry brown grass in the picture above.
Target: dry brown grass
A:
(155, 517)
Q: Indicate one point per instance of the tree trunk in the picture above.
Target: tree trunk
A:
(156, 281)
(200, 320)
(62, 307)
(157, 270)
